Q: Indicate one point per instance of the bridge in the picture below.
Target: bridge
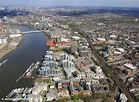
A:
(34, 31)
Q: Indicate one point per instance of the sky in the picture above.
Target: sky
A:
(49, 3)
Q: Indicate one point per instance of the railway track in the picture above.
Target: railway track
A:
(107, 69)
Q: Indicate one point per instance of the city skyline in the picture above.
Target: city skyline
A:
(49, 3)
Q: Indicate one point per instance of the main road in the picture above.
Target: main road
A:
(107, 69)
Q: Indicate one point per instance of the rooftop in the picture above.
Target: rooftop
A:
(131, 66)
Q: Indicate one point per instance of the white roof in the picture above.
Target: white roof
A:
(98, 69)
(37, 23)
(101, 39)
(120, 49)
(69, 71)
(64, 40)
(52, 86)
(50, 98)
(113, 36)
(100, 23)
(117, 52)
(56, 78)
(72, 69)
(123, 97)
(76, 32)
(111, 41)
(132, 42)
(76, 37)
(131, 66)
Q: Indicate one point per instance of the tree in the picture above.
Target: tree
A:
(75, 97)
(74, 74)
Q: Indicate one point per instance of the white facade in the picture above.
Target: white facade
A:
(0, 41)
(3, 41)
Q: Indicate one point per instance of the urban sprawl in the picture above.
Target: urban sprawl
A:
(91, 58)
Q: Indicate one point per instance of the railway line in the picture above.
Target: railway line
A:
(107, 69)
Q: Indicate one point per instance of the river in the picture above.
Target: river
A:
(30, 49)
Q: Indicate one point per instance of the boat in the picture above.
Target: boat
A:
(32, 64)
(16, 98)
(10, 94)
(29, 91)
(3, 62)
(28, 74)
(22, 89)
(25, 90)
(36, 65)
(29, 68)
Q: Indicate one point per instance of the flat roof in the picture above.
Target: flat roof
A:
(101, 39)
(120, 49)
(131, 66)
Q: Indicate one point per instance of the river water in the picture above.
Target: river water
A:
(30, 49)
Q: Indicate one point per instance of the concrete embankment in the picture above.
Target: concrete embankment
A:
(11, 47)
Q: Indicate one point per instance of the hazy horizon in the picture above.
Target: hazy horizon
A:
(51, 3)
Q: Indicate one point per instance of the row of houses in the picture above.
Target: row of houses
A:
(75, 86)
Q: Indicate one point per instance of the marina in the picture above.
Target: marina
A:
(28, 72)
(18, 94)
(19, 59)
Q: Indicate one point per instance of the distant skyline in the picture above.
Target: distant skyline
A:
(49, 3)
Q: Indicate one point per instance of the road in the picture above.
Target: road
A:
(107, 69)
